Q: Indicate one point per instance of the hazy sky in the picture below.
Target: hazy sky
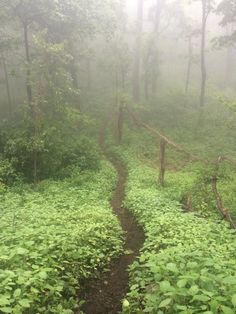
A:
(194, 9)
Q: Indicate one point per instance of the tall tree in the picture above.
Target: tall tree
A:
(207, 7)
(151, 60)
(6, 45)
(227, 11)
(137, 52)
(190, 36)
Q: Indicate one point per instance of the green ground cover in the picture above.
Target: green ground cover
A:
(53, 237)
(187, 264)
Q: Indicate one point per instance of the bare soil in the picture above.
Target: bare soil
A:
(105, 294)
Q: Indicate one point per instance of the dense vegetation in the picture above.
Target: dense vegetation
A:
(187, 264)
(53, 237)
(163, 74)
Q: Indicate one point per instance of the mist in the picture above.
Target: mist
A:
(117, 156)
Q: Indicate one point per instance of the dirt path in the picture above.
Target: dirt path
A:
(104, 295)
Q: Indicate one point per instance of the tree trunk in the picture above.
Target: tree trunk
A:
(203, 54)
(121, 105)
(154, 76)
(152, 61)
(120, 122)
(155, 66)
(229, 66)
(89, 74)
(146, 85)
(123, 78)
(7, 85)
(30, 99)
(190, 62)
(74, 75)
(162, 162)
(75, 81)
(28, 72)
(137, 60)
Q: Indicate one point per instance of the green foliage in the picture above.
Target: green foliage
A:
(227, 11)
(187, 264)
(58, 150)
(7, 172)
(83, 153)
(53, 238)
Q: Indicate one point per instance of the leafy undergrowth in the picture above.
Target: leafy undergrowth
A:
(54, 237)
(188, 263)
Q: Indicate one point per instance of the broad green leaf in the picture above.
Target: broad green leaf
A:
(201, 297)
(230, 280)
(165, 286)
(227, 310)
(6, 309)
(25, 303)
(165, 302)
(182, 283)
(234, 300)
(4, 300)
(17, 293)
(194, 290)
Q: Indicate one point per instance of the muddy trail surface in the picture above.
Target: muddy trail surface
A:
(105, 294)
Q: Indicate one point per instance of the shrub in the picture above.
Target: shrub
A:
(7, 172)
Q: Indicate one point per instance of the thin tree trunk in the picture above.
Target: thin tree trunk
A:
(123, 78)
(116, 86)
(162, 162)
(120, 122)
(35, 168)
(7, 85)
(229, 60)
(28, 60)
(152, 52)
(154, 77)
(30, 99)
(74, 76)
(228, 68)
(146, 85)
(190, 62)
(159, 7)
(203, 54)
(89, 74)
(137, 60)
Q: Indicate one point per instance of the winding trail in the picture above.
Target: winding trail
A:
(104, 295)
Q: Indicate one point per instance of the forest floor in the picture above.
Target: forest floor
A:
(105, 294)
